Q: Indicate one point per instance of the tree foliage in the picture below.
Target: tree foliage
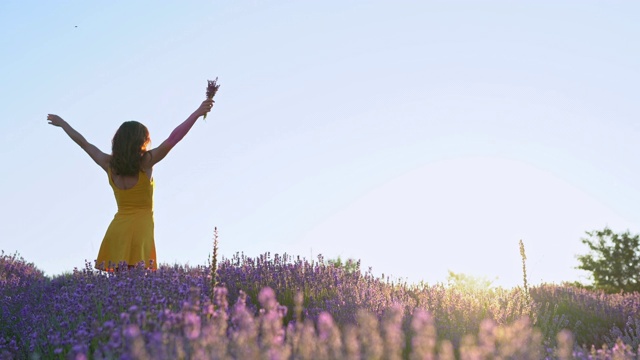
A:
(350, 266)
(613, 260)
(468, 282)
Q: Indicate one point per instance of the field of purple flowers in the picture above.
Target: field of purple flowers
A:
(283, 307)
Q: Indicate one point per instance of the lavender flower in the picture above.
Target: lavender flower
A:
(212, 89)
(288, 307)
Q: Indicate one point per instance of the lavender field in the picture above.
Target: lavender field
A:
(283, 307)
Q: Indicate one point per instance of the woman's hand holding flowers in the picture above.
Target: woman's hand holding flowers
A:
(204, 108)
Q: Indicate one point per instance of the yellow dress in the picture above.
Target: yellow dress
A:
(129, 237)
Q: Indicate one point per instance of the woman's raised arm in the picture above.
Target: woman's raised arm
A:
(177, 134)
(98, 156)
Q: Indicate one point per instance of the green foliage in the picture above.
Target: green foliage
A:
(349, 266)
(523, 255)
(578, 284)
(214, 262)
(590, 315)
(613, 260)
(466, 282)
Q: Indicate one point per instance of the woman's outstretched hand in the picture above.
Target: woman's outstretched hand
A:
(55, 120)
(204, 108)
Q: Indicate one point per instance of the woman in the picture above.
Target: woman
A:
(129, 238)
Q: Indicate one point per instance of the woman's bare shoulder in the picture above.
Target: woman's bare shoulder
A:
(146, 164)
(146, 160)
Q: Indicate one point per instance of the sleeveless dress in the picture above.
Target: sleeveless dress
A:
(129, 237)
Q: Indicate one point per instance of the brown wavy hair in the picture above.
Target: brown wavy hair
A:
(128, 146)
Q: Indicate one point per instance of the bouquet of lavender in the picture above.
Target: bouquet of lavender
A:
(212, 89)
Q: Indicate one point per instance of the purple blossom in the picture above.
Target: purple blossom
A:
(174, 312)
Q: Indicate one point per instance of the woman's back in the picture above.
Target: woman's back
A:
(132, 193)
(130, 236)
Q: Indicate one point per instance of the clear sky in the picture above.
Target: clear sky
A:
(417, 136)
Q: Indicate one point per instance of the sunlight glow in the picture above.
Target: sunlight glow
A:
(467, 215)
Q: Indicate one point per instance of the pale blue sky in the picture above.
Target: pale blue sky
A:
(417, 136)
